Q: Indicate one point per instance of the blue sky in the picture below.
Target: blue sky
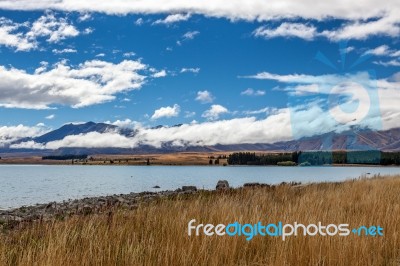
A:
(152, 65)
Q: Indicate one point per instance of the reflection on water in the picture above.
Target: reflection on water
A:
(27, 185)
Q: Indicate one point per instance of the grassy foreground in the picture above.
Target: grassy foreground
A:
(156, 232)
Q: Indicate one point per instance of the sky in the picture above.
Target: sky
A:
(231, 72)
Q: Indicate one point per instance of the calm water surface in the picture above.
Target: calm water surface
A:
(31, 184)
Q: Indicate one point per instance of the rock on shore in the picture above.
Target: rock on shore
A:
(103, 204)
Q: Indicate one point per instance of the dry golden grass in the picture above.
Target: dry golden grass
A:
(156, 233)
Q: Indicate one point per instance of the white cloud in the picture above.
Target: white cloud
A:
(85, 17)
(204, 97)
(100, 55)
(287, 30)
(160, 74)
(356, 29)
(25, 36)
(50, 117)
(389, 63)
(247, 130)
(127, 123)
(129, 54)
(174, 18)
(87, 31)
(395, 53)
(64, 51)
(8, 134)
(91, 82)
(191, 70)
(266, 110)
(190, 35)
(381, 50)
(139, 22)
(52, 28)
(169, 111)
(347, 49)
(236, 9)
(252, 92)
(388, 25)
(214, 112)
(10, 37)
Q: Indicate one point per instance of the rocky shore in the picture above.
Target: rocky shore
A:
(13, 218)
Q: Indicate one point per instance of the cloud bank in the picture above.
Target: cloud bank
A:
(89, 83)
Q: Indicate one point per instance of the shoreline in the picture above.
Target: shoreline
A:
(43, 212)
(183, 164)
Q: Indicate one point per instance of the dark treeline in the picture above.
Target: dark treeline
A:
(248, 158)
(316, 158)
(65, 157)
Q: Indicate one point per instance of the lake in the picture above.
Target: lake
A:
(31, 184)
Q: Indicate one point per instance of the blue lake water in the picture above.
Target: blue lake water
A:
(31, 184)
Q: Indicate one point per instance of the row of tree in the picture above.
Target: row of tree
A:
(65, 157)
(316, 158)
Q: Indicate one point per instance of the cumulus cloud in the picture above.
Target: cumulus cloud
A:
(287, 30)
(204, 97)
(91, 82)
(52, 28)
(25, 36)
(127, 123)
(9, 134)
(214, 112)
(10, 37)
(252, 92)
(383, 50)
(387, 25)
(380, 50)
(174, 18)
(169, 111)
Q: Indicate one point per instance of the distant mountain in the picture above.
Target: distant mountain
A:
(73, 129)
(355, 139)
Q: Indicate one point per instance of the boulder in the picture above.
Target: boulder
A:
(189, 188)
(222, 185)
(255, 185)
(86, 210)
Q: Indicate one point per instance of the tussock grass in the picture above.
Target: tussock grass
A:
(156, 233)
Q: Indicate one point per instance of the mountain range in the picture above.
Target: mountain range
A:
(354, 139)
